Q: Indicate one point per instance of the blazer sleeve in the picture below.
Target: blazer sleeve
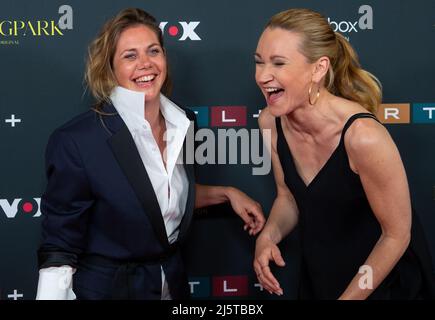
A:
(65, 203)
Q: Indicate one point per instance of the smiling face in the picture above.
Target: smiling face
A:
(282, 72)
(139, 62)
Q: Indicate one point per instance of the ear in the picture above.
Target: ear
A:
(320, 69)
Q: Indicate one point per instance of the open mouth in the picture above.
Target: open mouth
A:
(145, 80)
(273, 93)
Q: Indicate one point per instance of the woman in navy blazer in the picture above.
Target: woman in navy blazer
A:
(111, 218)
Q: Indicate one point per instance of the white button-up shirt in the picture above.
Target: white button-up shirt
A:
(170, 183)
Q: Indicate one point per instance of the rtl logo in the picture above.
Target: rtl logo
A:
(25, 206)
(220, 286)
(221, 116)
(400, 113)
(230, 286)
(187, 30)
(392, 113)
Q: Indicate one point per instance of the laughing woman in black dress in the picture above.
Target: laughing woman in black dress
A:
(338, 172)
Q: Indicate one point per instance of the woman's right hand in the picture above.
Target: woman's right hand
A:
(265, 251)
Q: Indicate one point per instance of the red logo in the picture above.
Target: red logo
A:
(228, 286)
(229, 116)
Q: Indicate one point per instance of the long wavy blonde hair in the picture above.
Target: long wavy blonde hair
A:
(99, 75)
(345, 77)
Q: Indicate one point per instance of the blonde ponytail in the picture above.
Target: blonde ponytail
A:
(351, 81)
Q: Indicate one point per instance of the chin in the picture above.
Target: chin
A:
(277, 111)
(133, 88)
(150, 97)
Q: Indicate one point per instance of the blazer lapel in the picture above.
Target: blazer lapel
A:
(190, 172)
(190, 205)
(127, 155)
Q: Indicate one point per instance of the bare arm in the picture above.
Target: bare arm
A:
(210, 195)
(249, 210)
(282, 219)
(374, 156)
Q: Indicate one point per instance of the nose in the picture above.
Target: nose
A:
(263, 74)
(144, 62)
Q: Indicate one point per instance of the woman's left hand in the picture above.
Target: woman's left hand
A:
(248, 209)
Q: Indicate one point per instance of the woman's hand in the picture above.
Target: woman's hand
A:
(249, 210)
(265, 251)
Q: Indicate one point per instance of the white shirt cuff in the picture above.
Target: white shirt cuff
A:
(55, 283)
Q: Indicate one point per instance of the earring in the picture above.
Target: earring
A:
(309, 94)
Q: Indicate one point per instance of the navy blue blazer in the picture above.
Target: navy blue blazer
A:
(101, 215)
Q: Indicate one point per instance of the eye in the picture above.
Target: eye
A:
(130, 56)
(278, 63)
(154, 51)
(258, 61)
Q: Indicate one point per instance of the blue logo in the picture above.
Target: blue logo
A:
(423, 113)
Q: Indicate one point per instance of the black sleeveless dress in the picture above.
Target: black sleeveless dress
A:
(338, 231)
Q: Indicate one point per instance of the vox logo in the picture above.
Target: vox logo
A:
(25, 206)
(182, 29)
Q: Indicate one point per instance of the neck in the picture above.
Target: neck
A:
(153, 114)
(310, 119)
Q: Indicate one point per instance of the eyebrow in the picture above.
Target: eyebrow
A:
(278, 57)
(257, 55)
(134, 49)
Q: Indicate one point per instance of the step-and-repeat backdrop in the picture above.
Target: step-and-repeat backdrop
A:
(210, 46)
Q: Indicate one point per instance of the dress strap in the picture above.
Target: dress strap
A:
(346, 125)
(354, 117)
(278, 126)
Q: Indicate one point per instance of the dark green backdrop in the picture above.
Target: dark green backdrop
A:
(41, 85)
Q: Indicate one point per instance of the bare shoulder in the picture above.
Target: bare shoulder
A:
(365, 133)
(368, 143)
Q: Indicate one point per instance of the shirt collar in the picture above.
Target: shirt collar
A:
(173, 113)
(131, 103)
(128, 102)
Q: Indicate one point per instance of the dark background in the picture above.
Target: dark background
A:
(41, 83)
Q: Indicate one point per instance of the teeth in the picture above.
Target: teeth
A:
(146, 78)
(271, 89)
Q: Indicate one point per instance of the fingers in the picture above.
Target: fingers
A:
(270, 281)
(248, 227)
(252, 228)
(248, 209)
(277, 257)
(246, 218)
(250, 223)
(253, 218)
(266, 278)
